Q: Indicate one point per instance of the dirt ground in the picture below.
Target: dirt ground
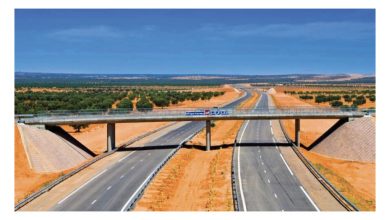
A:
(356, 180)
(282, 89)
(195, 179)
(310, 129)
(94, 137)
(26, 180)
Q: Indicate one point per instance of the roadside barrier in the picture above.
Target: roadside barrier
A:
(328, 186)
(60, 179)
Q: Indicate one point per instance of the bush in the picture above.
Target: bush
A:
(306, 97)
(360, 100)
(336, 103)
(78, 127)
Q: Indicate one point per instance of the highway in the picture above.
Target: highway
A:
(115, 187)
(264, 180)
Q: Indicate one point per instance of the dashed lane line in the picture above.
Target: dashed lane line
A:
(82, 186)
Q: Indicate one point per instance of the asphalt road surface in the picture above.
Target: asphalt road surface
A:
(265, 182)
(114, 187)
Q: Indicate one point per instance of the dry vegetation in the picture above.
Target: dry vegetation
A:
(94, 137)
(195, 179)
(356, 180)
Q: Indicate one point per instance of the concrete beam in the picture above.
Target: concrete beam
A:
(110, 136)
(297, 132)
(208, 135)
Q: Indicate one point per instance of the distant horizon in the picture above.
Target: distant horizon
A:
(222, 74)
(208, 41)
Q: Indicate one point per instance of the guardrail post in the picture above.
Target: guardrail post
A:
(110, 136)
(208, 135)
(297, 132)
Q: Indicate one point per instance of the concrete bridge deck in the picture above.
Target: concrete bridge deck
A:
(200, 114)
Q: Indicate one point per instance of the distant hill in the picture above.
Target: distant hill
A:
(75, 80)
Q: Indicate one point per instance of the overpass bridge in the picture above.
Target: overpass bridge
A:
(113, 116)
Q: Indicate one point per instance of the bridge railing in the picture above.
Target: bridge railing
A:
(198, 111)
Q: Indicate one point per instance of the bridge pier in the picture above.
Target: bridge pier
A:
(208, 134)
(110, 136)
(297, 132)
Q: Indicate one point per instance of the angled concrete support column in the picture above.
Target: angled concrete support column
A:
(208, 135)
(297, 132)
(110, 136)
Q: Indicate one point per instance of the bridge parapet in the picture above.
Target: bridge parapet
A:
(198, 114)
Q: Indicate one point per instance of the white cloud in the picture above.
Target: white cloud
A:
(315, 30)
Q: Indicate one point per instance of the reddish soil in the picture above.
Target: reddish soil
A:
(94, 137)
(26, 180)
(356, 180)
(196, 179)
(310, 129)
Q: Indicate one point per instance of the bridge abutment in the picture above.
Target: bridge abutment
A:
(208, 134)
(110, 136)
(297, 132)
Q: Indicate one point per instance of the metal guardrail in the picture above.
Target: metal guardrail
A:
(122, 115)
(234, 181)
(140, 191)
(328, 186)
(131, 203)
(82, 167)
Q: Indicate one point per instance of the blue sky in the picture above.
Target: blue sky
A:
(195, 41)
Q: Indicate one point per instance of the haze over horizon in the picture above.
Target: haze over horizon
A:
(220, 42)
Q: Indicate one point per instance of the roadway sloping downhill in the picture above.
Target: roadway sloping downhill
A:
(265, 182)
(117, 185)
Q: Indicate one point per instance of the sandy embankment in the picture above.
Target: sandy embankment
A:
(356, 180)
(195, 179)
(94, 137)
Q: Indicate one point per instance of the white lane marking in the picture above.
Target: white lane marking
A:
(149, 154)
(272, 131)
(303, 190)
(258, 151)
(108, 188)
(262, 163)
(121, 176)
(81, 187)
(93, 202)
(286, 165)
(273, 139)
(148, 178)
(270, 124)
(260, 156)
(276, 196)
(132, 168)
(126, 157)
(238, 168)
(141, 160)
(265, 171)
(268, 181)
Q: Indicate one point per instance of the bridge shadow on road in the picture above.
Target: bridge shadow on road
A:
(264, 144)
(202, 147)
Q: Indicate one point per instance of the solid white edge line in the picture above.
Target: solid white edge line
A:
(272, 131)
(144, 182)
(238, 169)
(126, 156)
(292, 174)
(303, 190)
(81, 187)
